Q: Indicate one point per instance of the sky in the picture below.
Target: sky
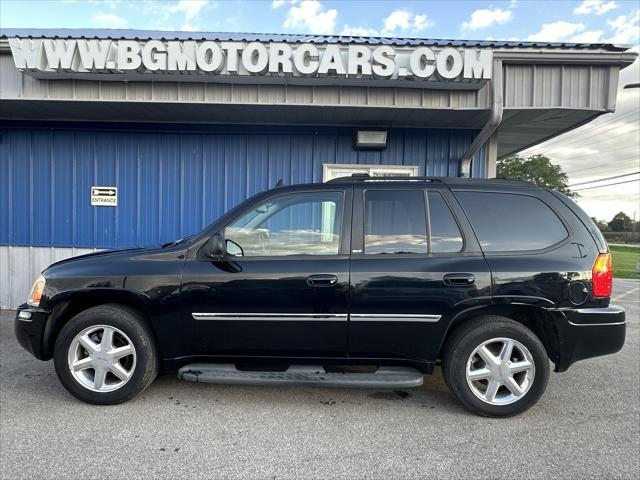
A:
(607, 147)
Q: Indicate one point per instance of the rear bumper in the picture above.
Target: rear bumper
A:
(589, 332)
(29, 328)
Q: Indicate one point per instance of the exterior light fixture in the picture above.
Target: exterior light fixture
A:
(371, 139)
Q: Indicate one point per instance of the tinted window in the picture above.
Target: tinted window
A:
(294, 224)
(445, 234)
(507, 222)
(395, 222)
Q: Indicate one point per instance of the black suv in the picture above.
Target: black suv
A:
(359, 281)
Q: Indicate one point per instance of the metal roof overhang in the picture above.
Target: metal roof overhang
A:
(519, 128)
(179, 112)
(549, 88)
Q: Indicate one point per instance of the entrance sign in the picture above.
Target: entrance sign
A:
(104, 196)
(66, 58)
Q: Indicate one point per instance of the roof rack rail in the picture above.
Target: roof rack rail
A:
(365, 177)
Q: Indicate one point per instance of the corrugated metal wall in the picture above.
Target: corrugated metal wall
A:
(20, 266)
(173, 180)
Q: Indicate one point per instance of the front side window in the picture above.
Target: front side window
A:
(293, 224)
(395, 222)
(506, 222)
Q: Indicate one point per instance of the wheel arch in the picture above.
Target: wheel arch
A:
(535, 318)
(68, 306)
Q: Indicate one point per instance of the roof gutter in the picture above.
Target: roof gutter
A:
(497, 106)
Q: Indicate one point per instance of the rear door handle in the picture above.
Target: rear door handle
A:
(459, 279)
(322, 280)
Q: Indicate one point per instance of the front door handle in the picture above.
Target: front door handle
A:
(459, 279)
(322, 280)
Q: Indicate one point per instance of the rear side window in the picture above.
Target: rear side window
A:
(395, 222)
(506, 222)
(445, 233)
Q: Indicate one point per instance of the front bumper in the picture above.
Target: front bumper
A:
(29, 327)
(589, 332)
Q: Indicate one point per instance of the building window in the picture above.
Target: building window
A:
(331, 171)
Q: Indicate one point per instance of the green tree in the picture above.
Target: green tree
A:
(601, 224)
(537, 169)
(621, 222)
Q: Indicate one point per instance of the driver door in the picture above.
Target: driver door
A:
(282, 288)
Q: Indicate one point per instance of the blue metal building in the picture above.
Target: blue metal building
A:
(184, 143)
(175, 180)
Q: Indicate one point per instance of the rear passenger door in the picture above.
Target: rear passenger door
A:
(414, 263)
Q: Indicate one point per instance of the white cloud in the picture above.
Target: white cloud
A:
(626, 28)
(588, 37)
(398, 19)
(405, 21)
(311, 16)
(594, 6)
(278, 3)
(420, 22)
(108, 20)
(188, 28)
(190, 8)
(556, 32)
(359, 31)
(485, 18)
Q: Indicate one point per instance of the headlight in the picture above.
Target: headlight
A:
(36, 292)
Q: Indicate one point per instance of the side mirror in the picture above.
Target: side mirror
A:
(215, 246)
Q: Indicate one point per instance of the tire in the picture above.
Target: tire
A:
(463, 353)
(131, 354)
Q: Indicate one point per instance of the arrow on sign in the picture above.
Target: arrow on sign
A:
(97, 192)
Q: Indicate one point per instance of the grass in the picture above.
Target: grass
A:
(624, 261)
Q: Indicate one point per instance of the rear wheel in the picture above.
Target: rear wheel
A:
(495, 366)
(106, 355)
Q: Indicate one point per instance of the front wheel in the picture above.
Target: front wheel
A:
(495, 366)
(106, 355)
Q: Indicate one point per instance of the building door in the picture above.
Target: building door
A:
(282, 289)
(411, 268)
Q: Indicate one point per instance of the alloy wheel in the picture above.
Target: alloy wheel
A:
(500, 371)
(102, 358)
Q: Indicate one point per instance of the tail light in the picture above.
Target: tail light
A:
(602, 276)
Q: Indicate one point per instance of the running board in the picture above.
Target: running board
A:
(384, 377)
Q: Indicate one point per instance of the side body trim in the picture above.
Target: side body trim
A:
(394, 317)
(331, 317)
(596, 324)
(294, 317)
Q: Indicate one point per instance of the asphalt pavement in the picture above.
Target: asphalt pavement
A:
(587, 425)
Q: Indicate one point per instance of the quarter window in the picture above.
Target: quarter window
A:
(294, 224)
(507, 222)
(395, 222)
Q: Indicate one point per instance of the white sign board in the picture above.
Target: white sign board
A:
(206, 59)
(104, 196)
